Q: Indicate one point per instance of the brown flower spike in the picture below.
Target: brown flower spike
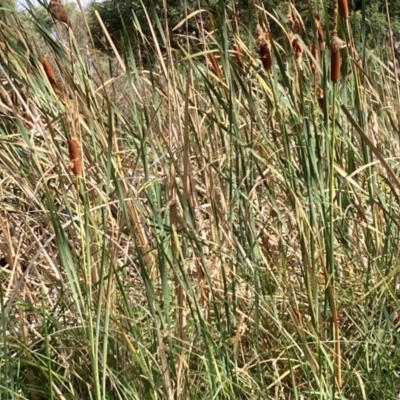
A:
(238, 56)
(49, 73)
(336, 45)
(319, 94)
(335, 58)
(59, 12)
(75, 156)
(264, 45)
(213, 65)
(343, 9)
(320, 32)
(293, 19)
(297, 48)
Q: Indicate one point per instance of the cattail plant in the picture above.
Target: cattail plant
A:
(264, 46)
(238, 56)
(320, 32)
(297, 48)
(59, 12)
(336, 45)
(343, 7)
(319, 94)
(50, 73)
(293, 19)
(213, 65)
(75, 156)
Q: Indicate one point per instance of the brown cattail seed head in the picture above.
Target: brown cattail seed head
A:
(293, 19)
(59, 12)
(343, 8)
(297, 48)
(213, 65)
(264, 45)
(336, 45)
(320, 33)
(238, 55)
(50, 74)
(319, 94)
(75, 156)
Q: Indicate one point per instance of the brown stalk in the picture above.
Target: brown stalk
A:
(50, 73)
(74, 156)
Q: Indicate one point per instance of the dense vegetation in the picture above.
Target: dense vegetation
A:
(207, 215)
(118, 13)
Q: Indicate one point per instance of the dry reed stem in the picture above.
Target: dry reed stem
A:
(314, 53)
(139, 234)
(74, 156)
(238, 55)
(50, 73)
(6, 97)
(264, 45)
(343, 7)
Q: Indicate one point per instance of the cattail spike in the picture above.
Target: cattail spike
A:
(336, 45)
(297, 48)
(319, 94)
(343, 7)
(75, 156)
(320, 32)
(238, 56)
(214, 65)
(264, 45)
(59, 12)
(50, 74)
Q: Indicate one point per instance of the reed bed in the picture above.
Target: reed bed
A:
(222, 225)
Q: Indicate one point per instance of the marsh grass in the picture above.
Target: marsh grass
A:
(232, 234)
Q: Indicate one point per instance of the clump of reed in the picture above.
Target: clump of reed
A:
(245, 220)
